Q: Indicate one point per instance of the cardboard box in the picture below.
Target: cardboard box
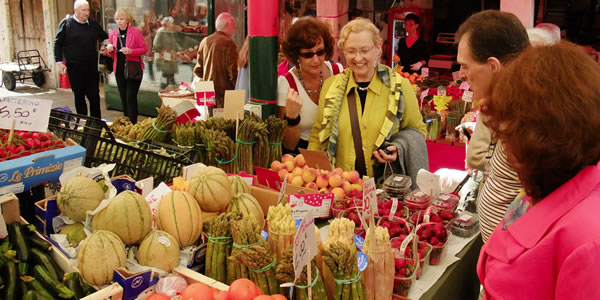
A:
(267, 197)
(45, 210)
(18, 175)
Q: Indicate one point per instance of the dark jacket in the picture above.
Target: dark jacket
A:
(78, 43)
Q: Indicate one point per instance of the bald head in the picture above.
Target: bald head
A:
(225, 23)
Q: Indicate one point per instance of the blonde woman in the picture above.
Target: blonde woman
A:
(126, 47)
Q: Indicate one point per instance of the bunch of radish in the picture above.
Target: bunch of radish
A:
(25, 143)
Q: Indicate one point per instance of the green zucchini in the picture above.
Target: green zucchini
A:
(9, 271)
(41, 274)
(22, 287)
(40, 257)
(23, 267)
(39, 243)
(30, 295)
(17, 239)
(40, 289)
(72, 282)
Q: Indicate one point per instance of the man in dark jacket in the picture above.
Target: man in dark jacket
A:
(76, 52)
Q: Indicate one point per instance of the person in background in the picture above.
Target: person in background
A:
(355, 13)
(165, 43)
(309, 45)
(243, 78)
(544, 34)
(547, 244)
(75, 52)
(412, 49)
(126, 44)
(285, 22)
(486, 41)
(149, 28)
(217, 58)
(367, 112)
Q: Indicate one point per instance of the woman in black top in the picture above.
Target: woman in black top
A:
(412, 49)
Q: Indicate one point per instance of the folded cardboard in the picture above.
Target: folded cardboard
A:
(267, 197)
(45, 210)
(133, 283)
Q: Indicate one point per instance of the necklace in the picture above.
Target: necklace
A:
(311, 93)
(362, 88)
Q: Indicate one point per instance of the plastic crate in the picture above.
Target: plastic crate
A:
(161, 161)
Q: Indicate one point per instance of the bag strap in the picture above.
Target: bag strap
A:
(291, 81)
(335, 68)
(356, 136)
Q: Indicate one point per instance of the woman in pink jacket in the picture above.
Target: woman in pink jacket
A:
(545, 108)
(127, 44)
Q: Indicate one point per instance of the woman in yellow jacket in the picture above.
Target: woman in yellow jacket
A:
(383, 102)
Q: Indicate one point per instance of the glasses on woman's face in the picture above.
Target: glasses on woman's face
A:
(308, 55)
(354, 52)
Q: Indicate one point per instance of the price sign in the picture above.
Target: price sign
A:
(425, 72)
(464, 86)
(154, 197)
(369, 197)
(29, 114)
(305, 244)
(467, 96)
(145, 185)
(318, 204)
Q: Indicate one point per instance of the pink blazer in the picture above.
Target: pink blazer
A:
(135, 42)
(552, 251)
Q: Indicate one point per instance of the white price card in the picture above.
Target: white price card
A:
(29, 114)
(464, 86)
(467, 96)
(145, 185)
(305, 244)
(317, 204)
(425, 72)
(369, 197)
(154, 197)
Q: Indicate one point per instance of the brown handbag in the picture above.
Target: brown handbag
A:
(356, 135)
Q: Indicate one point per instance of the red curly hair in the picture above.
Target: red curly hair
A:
(545, 109)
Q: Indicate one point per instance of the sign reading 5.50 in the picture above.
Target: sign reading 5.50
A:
(28, 114)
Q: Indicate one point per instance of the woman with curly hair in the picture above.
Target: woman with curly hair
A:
(543, 107)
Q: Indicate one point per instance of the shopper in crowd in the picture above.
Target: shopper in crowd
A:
(127, 45)
(547, 245)
(309, 45)
(149, 28)
(217, 58)
(412, 49)
(165, 43)
(544, 34)
(369, 109)
(243, 78)
(486, 41)
(75, 52)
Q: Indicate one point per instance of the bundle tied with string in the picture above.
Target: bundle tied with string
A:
(340, 259)
(246, 139)
(199, 146)
(224, 151)
(208, 142)
(161, 125)
(275, 126)
(261, 263)
(245, 233)
(285, 273)
(219, 247)
(261, 148)
(184, 135)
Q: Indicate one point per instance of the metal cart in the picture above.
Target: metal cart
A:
(30, 65)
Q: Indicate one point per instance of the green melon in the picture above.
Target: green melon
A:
(238, 185)
(77, 196)
(98, 255)
(248, 206)
(179, 214)
(211, 188)
(128, 215)
(159, 250)
(74, 233)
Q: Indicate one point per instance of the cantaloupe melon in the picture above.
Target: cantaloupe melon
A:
(77, 196)
(159, 250)
(248, 206)
(211, 188)
(98, 255)
(179, 214)
(238, 185)
(128, 215)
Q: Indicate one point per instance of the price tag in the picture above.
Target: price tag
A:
(394, 207)
(456, 75)
(362, 261)
(359, 242)
(305, 244)
(188, 171)
(318, 204)
(467, 96)
(154, 197)
(29, 114)
(425, 72)
(156, 55)
(234, 104)
(264, 235)
(441, 91)
(369, 197)
(464, 86)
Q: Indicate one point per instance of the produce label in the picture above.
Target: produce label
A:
(467, 96)
(359, 242)
(29, 114)
(305, 244)
(264, 235)
(369, 197)
(394, 207)
(268, 178)
(427, 215)
(362, 261)
(165, 241)
(318, 204)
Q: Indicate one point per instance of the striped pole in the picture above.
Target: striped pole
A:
(263, 30)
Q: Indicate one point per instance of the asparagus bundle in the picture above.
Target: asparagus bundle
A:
(261, 262)
(200, 147)
(207, 140)
(341, 230)
(245, 232)
(184, 134)
(219, 247)
(285, 273)
(378, 278)
(246, 139)
(222, 124)
(160, 127)
(340, 259)
(261, 151)
(282, 228)
(275, 126)
(223, 149)
(120, 125)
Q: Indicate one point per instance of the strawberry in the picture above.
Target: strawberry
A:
(388, 204)
(438, 229)
(426, 234)
(396, 243)
(436, 219)
(386, 224)
(399, 263)
(446, 215)
(434, 240)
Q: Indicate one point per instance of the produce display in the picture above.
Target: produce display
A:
(25, 143)
(244, 232)
(77, 196)
(261, 263)
(211, 188)
(246, 205)
(98, 255)
(285, 274)
(160, 250)
(282, 228)
(219, 248)
(378, 278)
(238, 185)
(436, 235)
(179, 214)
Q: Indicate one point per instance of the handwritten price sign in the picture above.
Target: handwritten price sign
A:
(154, 198)
(29, 114)
(369, 197)
(305, 244)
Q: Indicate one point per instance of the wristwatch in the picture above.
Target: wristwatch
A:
(292, 122)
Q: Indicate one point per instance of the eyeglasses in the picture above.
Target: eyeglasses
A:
(311, 54)
(354, 52)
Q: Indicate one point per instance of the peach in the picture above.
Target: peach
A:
(335, 180)
(297, 180)
(323, 181)
(347, 186)
(323, 190)
(312, 186)
(289, 165)
(282, 173)
(339, 171)
(345, 175)
(339, 193)
(287, 157)
(297, 171)
(353, 176)
(309, 175)
(299, 160)
(276, 166)
(356, 187)
(324, 171)
(290, 177)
